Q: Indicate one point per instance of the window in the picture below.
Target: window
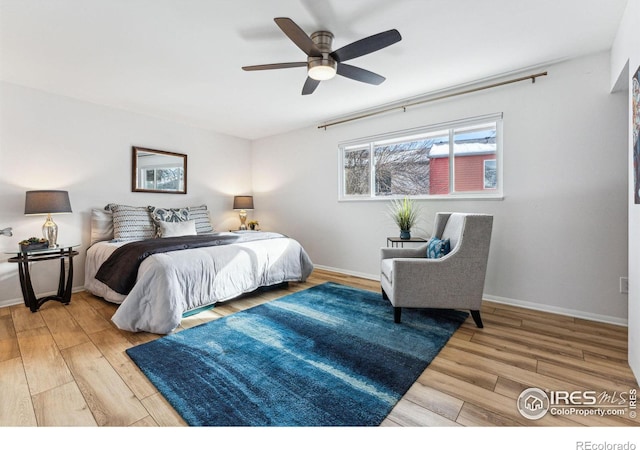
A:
(490, 179)
(357, 171)
(461, 158)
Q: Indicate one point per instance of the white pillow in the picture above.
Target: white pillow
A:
(101, 225)
(173, 229)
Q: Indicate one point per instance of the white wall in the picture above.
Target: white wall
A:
(53, 142)
(560, 234)
(625, 60)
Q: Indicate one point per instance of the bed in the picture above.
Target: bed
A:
(176, 274)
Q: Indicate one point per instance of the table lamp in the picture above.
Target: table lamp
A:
(243, 202)
(48, 202)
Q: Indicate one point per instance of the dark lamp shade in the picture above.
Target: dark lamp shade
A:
(47, 202)
(243, 202)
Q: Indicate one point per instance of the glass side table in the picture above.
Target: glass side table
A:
(65, 282)
(398, 242)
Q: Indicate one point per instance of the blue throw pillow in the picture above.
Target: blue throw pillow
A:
(437, 248)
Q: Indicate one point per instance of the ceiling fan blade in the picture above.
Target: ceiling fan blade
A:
(298, 36)
(309, 86)
(367, 45)
(358, 74)
(275, 66)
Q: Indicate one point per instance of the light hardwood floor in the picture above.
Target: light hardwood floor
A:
(67, 366)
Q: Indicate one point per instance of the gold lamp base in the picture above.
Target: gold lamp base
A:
(243, 219)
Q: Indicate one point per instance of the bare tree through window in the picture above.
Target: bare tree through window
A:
(357, 172)
(403, 168)
(436, 161)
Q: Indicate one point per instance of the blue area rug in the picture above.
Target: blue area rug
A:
(330, 355)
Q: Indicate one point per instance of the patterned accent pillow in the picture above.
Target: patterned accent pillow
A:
(201, 215)
(169, 214)
(159, 215)
(437, 248)
(132, 223)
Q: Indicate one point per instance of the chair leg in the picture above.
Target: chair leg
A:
(384, 294)
(476, 318)
(397, 312)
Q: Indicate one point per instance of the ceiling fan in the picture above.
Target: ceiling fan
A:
(322, 62)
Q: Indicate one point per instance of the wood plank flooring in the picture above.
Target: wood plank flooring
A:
(66, 366)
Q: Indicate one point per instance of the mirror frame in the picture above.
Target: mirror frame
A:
(134, 170)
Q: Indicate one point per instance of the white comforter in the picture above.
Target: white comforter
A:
(170, 284)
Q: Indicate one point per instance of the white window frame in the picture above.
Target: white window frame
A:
(372, 141)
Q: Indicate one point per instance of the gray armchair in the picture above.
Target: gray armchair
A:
(455, 281)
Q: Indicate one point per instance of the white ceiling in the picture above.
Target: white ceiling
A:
(181, 59)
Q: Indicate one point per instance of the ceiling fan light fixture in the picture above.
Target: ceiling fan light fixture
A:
(322, 72)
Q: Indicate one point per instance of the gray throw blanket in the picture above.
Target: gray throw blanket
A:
(120, 270)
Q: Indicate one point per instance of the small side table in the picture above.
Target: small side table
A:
(65, 282)
(397, 242)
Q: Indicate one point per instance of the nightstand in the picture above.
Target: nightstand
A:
(65, 282)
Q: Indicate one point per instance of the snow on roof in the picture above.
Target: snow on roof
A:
(472, 148)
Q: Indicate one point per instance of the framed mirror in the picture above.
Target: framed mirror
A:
(158, 171)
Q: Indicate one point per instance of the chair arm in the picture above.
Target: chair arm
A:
(393, 252)
(456, 282)
(426, 269)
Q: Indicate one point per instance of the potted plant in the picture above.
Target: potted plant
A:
(253, 224)
(33, 243)
(405, 214)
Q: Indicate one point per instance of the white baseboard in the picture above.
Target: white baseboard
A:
(20, 301)
(11, 302)
(510, 301)
(348, 272)
(557, 310)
